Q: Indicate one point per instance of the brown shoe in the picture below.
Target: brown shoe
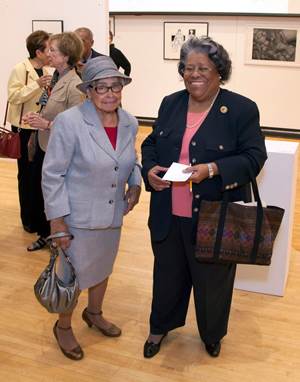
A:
(111, 331)
(75, 354)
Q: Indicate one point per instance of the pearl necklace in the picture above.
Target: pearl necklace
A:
(203, 114)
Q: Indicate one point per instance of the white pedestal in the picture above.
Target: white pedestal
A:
(277, 186)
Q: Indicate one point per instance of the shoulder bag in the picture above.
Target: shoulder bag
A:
(229, 232)
(10, 143)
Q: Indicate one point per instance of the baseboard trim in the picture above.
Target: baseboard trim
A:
(268, 131)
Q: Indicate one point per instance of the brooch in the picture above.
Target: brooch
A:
(223, 109)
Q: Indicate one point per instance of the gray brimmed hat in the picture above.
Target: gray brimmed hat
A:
(99, 68)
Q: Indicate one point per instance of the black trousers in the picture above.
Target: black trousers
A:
(176, 272)
(38, 215)
(25, 180)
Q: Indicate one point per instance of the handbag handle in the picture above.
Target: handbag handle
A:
(59, 235)
(53, 246)
(258, 223)
(5, 116)
(22, 107)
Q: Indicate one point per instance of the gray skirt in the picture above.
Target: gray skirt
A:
(92, 254)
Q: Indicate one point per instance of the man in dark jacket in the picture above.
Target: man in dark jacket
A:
(118, 57)
(87, 38)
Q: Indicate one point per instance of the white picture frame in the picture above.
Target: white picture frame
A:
(50, 26)
(273, 45)
(176, 33)
(112, 24)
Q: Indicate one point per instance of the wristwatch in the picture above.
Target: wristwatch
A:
(210, 170)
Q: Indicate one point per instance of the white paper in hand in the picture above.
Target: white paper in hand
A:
(175, 173)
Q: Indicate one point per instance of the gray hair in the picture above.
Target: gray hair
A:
(87, 31)
(215, 52)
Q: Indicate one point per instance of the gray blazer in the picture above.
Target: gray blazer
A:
(83, 177)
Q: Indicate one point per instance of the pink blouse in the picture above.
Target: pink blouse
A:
(182, 196)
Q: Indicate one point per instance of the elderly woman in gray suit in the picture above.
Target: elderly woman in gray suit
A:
(89, 161)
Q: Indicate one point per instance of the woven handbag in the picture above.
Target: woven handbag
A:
(54, 294)
(229, 232)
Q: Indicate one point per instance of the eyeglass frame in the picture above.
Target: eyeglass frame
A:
(95, 87)
(200, 69)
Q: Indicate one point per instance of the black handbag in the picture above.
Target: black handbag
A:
(54, 294)
(229, 232)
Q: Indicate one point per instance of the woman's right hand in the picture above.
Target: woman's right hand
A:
(44, 81)
(155, 181)
(59, 225)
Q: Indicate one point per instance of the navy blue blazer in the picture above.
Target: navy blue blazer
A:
(230, 136)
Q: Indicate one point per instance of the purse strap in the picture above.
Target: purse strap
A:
(5, 116)
(55, 251)
(53, 246)
(258, 223)
(22, 107)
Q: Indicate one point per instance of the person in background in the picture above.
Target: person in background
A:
(118, 57)
(88, 52)
(89, 163)
(65, 50)
(217, 134)
(22, 98)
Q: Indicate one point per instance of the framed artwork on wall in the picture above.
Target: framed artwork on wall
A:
(50, 26)
(277, 46)
(112, 24)
(176, 33)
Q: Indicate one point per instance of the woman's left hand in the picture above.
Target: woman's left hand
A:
(132, 197)
(199, 172)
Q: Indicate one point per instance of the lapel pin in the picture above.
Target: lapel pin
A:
(224, 109)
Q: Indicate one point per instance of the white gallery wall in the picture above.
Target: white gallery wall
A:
(253, 6)
(274, 88)
(16, 24)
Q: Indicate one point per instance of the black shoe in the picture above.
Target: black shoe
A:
(38, 244)
(151, 349)
(213, 349)
(29, 229)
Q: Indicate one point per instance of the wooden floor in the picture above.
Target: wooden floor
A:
(263, 343)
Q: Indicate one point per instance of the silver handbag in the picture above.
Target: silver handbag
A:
(51, 292)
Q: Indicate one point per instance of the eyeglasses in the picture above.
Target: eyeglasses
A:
(53, 50)
(199, 69)
(102, 89)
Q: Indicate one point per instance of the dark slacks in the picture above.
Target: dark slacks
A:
(176, 272)
(25, 180)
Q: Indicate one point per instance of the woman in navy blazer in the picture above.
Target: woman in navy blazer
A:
(217, 133)
(91, 179)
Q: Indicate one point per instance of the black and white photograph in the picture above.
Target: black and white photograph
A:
(273, 46)
(176, 33)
